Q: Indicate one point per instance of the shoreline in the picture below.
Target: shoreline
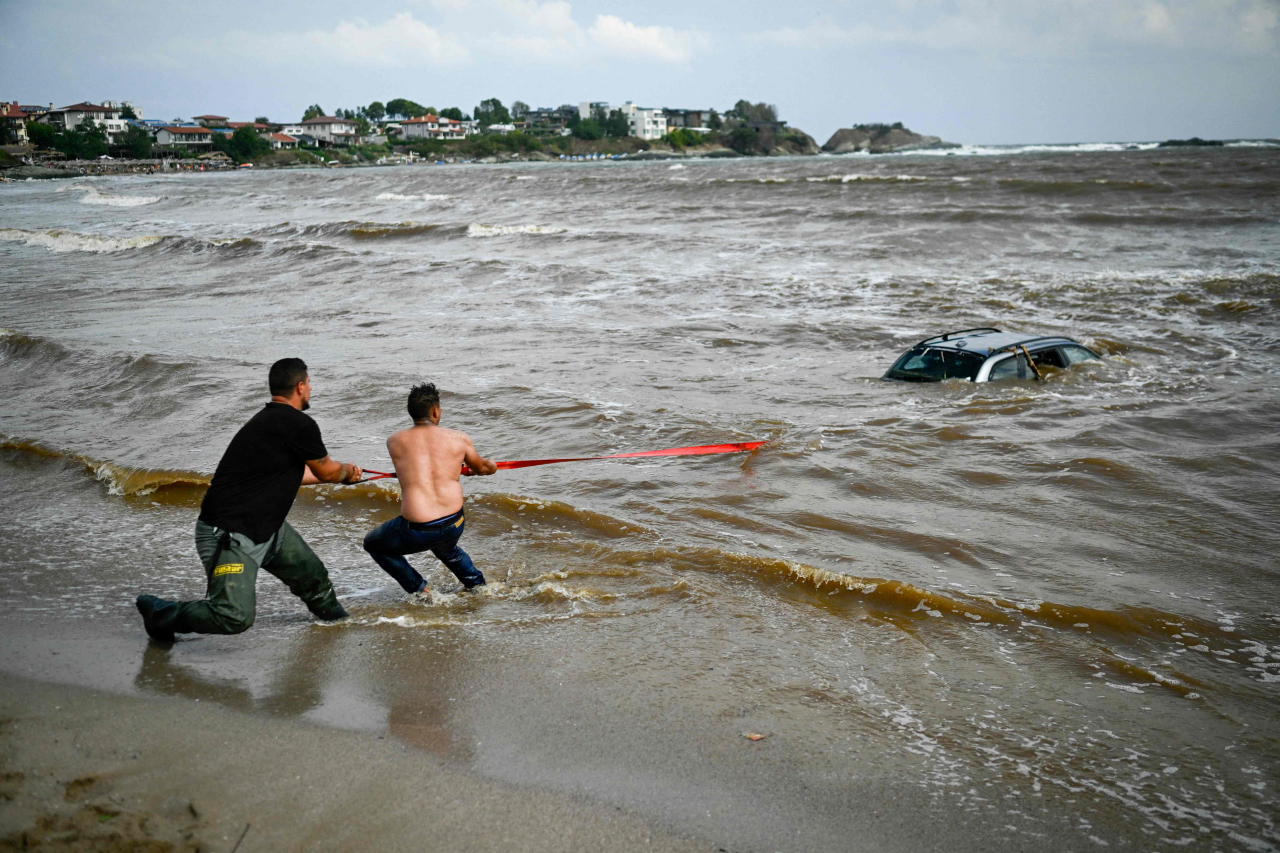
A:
(117, 168)
(88, 770)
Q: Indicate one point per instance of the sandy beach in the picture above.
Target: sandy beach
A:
(85, 770)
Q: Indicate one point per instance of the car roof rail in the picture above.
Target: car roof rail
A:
(1037, 340)
(948, 335)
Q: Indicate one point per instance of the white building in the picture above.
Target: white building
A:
(328, 130)
(70, 117)
(116, 129)
(432, 127)
(185, 138)
(645, 122)
(279, 141)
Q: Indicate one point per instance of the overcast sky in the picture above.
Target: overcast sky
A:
(982, 71)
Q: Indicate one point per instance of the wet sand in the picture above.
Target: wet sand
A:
(162, 753)
(85, 770)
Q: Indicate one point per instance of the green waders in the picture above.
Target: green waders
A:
(231, 562)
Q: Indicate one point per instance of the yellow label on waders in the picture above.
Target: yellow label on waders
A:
(229, 569)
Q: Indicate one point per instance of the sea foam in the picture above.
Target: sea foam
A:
(475, 229)
(423, 197)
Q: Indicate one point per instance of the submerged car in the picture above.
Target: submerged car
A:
(985, 355)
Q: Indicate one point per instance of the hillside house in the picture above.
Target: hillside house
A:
(13, 124)
(184, 138)
(68, 118)
(432, 127)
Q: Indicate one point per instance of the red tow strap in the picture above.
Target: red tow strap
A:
(700, 450)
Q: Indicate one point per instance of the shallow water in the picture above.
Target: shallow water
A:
(1051, 610)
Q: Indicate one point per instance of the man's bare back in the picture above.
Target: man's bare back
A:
(428, 460)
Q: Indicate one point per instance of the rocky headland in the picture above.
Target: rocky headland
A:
(881, 139)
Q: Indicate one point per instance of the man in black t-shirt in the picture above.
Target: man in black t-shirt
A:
(242, 523)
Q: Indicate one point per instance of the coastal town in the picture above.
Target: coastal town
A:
(116, 136)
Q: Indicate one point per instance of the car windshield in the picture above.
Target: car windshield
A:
(926, 364)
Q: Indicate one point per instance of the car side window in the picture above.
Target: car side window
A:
(1048, 358)
(1075, 354)
(1013, 367)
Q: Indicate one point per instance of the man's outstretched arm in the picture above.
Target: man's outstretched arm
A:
(477, 464)
(329, 470)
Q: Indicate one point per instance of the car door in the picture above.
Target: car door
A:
(1013, 367)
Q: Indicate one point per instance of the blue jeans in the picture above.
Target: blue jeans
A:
(388, 543)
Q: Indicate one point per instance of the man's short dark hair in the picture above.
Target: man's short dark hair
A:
(286, 374)
(421, 400)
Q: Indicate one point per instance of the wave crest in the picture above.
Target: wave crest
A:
(93, 196)
(57, 240)
(123, 480)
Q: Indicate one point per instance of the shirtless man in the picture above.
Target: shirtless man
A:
(428, 460)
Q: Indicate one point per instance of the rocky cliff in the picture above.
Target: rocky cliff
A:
(881, 139)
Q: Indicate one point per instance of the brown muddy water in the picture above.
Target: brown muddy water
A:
(1009, 616)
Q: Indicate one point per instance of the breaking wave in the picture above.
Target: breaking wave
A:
(92, 196)
(422, 197)
(846, 179)
(475, 229)
(57, 240)
(121, 480)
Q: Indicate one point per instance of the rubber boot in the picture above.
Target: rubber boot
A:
(330, 613)
(158, 617)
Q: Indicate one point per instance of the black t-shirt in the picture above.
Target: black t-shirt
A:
(260, 473)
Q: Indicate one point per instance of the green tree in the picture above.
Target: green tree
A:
(43, 136)
(376, 111)
(682, 137)
(362, 126)
(85, 141)
(747, 111)
(588, 128)
(312, 111)
(246, 144)
(137, 141)
(616, 125)
(404, 108)
(743, 140)
(519, 110)
(262, 120)
(453, 113)
(126, 111)
(491, 111)
(715, 122)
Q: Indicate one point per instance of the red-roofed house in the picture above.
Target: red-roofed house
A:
(13, 124)
(280, 140)
(432, 127)
(210, 121)
(185, 138)
(67, 118)
(260, 128)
